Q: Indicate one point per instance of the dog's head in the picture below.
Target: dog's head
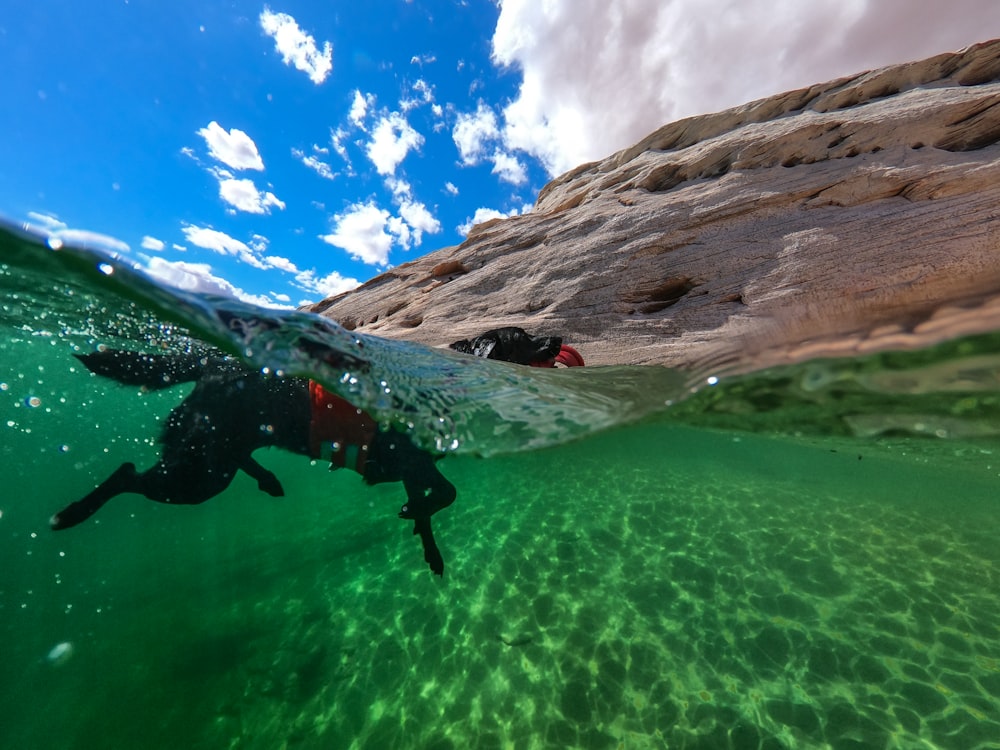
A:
(512, 344)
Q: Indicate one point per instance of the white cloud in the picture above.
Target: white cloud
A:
(359, 108)
(53, 227)
(337, 141)
(192, 277)
(418, 219)
(198, 278)
(212, 239)
(392, 140)
(485, 214)
(318, 166)
(282, 264)
(368, 233)
(508, 168)
(361, 231)
(425, 95)
(244, 196)
(88, 239)
(597, 77)
(234, 149)
(325, 286)
(473, 131)
(450, 187)
(297, 47)
(151, 243)
(45, 222)
(400, 188)
(222, 243)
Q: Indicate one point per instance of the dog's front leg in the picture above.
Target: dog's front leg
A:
(124, 479)
(266, 480)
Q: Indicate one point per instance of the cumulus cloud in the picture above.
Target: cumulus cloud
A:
(296, 46)
(314, 163)
(222, 243)
(597, 77)
(151, 243)
(473, 131)
(56, 229)
(325, 286)
(234, 148)
(361, 231)
(191, 277)
(392, 139)
(450, 188)
(198, 278)
(359, 108)
(418, 219)
(45, 222)
(485, 214)
(243, 195)
(213, 239)
(368, 232)
(508, 168)
(93, 240)
(337, 141)
(424, 95)
(477, 136)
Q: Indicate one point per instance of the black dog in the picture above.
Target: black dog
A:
(233, 410)
(512, 344)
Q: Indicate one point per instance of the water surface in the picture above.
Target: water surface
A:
(799, 558)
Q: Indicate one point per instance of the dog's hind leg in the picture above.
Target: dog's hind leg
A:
(432, 555)
(427, 492)
(124, 479)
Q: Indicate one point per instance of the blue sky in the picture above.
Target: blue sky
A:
(283, 151)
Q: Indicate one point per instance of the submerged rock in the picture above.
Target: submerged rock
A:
(847, 217)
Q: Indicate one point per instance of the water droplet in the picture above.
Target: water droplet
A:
(60, 653)
(106, 268)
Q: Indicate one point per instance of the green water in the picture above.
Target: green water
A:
(802, 559)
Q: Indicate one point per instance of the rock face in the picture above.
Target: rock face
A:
(855, 215)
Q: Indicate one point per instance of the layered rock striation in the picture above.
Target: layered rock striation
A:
(851, 216)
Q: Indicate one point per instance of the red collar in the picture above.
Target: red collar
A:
(338, 430)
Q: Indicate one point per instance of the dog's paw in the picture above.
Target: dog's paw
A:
(69, 517)
(433, 558)
(271, 486)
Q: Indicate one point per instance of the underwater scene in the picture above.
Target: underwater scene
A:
(805, 557)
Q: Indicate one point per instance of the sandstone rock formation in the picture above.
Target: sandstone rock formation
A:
(855, 215)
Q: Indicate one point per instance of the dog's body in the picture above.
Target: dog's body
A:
(234, 410)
